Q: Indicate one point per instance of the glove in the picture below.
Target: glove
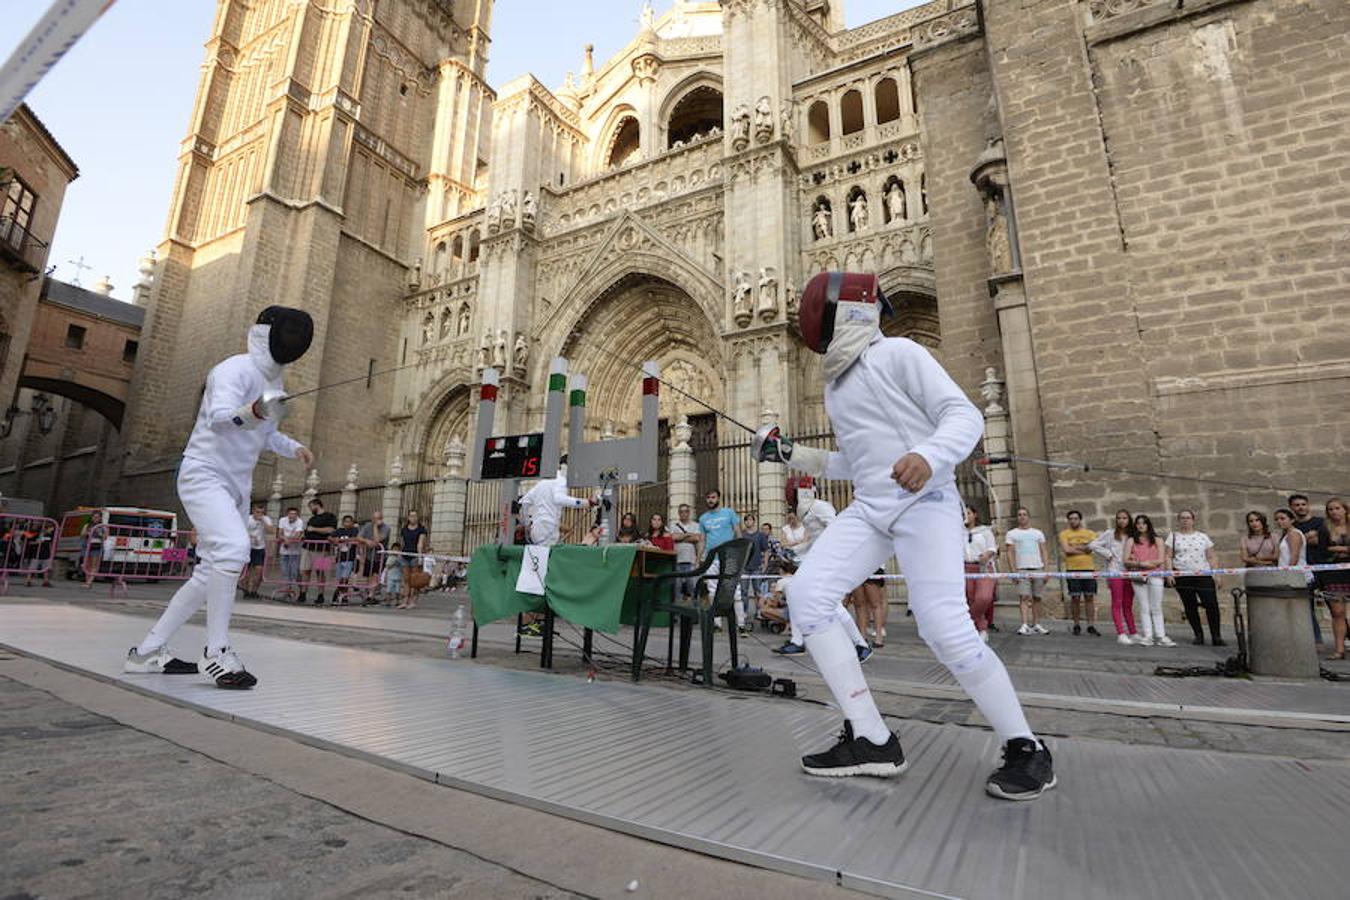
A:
(269, 407)
(770, 446)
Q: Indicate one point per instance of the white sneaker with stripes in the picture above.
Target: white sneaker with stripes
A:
(225, 669)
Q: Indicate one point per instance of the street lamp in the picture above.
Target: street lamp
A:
(41, 409)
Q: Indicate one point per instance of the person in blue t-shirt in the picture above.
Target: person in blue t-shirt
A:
(719, 525)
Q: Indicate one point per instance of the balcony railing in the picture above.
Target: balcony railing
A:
(19, 247)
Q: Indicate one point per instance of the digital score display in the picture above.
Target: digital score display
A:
(513, 456)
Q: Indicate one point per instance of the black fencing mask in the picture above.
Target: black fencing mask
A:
(290, 332)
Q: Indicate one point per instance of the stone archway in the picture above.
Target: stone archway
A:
(443, 415)
(641, 317)
(913, 296)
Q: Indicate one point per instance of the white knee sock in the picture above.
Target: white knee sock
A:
(796, 637)
(985, 679)
(186, 601)
(219, 604)
(837, 660)
(851, 627)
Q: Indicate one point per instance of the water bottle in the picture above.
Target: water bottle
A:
(457, 633)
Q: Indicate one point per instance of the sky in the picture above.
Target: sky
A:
(119, 103)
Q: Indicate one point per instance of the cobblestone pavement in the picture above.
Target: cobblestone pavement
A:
(94, 808)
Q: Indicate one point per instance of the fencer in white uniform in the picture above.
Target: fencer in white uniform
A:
(237, 420)
(543, 507)
(902, 426)
(815, 513)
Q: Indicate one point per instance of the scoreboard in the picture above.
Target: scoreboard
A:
(512, 456)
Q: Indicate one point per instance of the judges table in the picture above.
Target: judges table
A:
(597, 588)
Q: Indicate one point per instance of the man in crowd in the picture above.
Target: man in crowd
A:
(719, 525)
(259, 530)
(290, 535)
(1073, 544)
(1307, 523)
(759, 553)
(375, 536)
(318, 559)
(688, 547)
(1024, 548)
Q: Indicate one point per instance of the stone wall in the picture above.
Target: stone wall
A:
(1179, 193)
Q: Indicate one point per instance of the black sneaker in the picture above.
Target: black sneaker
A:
(226, 670)
(318, 601)
(864, 652)
(1026, 773)
(302, 598)
(1092, 630)
(789, 649)
(1220, 642)
(993, 627)
(1198, 642)
(1077, 629)
(857, 756)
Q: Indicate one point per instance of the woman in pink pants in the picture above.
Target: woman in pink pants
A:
(1110, 547)
(981, 550)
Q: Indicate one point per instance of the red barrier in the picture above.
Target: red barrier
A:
(336, 569)
(27, 546)
(141, 553)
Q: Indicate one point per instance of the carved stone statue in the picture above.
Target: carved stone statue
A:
(742, 307)
(740, 127)
(529, 208)
(499, 350)
(447, 322)
(996, 236)
(792, 301)
(509, 208)
(822, 221)
(485, 351)
(763, 120)
(465, 319)
(768, 295)
(991, 390)
(647, 18)
(520, 353)
(896, 204)
(785, 110)
(494, 215)
(428, 328)
(857, 212)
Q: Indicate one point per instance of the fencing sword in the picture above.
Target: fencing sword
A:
(1004, 459)
(44, 45)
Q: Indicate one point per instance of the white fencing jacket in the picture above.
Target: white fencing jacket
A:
(217, 440)
(814, 514)
(896, 399)
(544, 503)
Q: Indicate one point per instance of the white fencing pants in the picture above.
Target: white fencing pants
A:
(928, 540)
(219, 517)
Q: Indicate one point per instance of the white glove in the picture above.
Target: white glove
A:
(270, 406)
(771, 446)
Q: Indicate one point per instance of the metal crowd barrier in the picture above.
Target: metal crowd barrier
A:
(27, 547)
(142, 553)
(443, 571)
(337, 568)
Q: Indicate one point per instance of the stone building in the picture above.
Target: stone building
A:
(1119, 223)
(34, 174)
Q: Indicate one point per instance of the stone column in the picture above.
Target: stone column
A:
(999, 477)
(311, 486)
(682, 475)
(392, 501)
(772, 478)
(1008, 291)
(274, 499)
(347, 505)
(447, 511)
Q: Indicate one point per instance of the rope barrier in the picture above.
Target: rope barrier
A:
(1135, 575)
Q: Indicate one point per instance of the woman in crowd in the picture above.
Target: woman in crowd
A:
(1110, 546)
(1333, 546)
(1293, 549)
(1143, 555)
(1259, 547)
(657, 535)
(1190, 551)
(628, 530)
(981, 551)
(413, 538)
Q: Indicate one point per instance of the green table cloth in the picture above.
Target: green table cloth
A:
(587, 586)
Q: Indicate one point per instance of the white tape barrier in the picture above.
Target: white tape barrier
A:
(54, 34)
(438, 557)
(1137, 575)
